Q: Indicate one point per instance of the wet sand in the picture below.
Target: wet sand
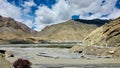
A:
(48, 62)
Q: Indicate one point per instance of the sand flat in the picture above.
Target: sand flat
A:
(38, 61)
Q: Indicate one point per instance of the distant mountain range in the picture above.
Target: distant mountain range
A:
(12, 31)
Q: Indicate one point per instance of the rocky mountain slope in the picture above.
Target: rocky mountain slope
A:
(72, 30)
(9, 22)
(11, 29)
(15, 32)
(106, 35)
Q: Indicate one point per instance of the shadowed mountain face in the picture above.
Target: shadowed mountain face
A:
(106, 35)
(97, 22)
(72, 30)
(11, 29)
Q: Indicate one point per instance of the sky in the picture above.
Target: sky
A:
(37, 14)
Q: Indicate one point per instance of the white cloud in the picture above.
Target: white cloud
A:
(8, 10)
(28, 22)
(27, 6)
(63, 10)
(92, 6)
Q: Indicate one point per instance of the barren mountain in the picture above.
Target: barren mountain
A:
(103, 41)
(11, 29)
(9, 22)
(106, 35)
(72, 30)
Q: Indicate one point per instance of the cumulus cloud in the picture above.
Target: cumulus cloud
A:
(8, 10)
(27, 6)
(87, 9)
(61, 11)
(18, 13)
(96, 7)
(28, 19)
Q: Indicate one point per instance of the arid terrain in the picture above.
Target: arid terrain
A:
(63, 60)
(72, 44)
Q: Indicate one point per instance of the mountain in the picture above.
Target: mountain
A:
(106, 35)
(9, 22)
(11, 29)
(72, 30)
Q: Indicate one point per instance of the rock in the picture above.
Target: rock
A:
(101, 52)
(93, 50)
(117, 53)
(108, 52)
(4, 63)
(106, 35)
(6, 53)
(2, 51)
(76, 49)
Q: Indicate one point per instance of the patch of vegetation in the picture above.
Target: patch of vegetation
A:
(56, 46)
(22, 63)
(20, 41)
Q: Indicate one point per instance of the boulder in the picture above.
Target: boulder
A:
(6, 53)
(117, 53)
(4, 63)
(93, 50)
(102, 52)
(76, 49)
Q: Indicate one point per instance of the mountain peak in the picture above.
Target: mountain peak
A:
(10, 22)
(71, 30)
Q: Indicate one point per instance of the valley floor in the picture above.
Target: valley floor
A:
(61, 60)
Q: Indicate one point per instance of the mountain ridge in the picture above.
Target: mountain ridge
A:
(13, 30)
(70, 30)
(10, 22)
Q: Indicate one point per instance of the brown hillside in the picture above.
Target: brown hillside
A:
(11, 29)
(9, 22)
(106, 35)
(72, 30)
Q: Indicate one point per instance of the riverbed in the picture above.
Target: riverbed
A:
(60, 58)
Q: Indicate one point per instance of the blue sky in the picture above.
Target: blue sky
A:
(39, 13)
